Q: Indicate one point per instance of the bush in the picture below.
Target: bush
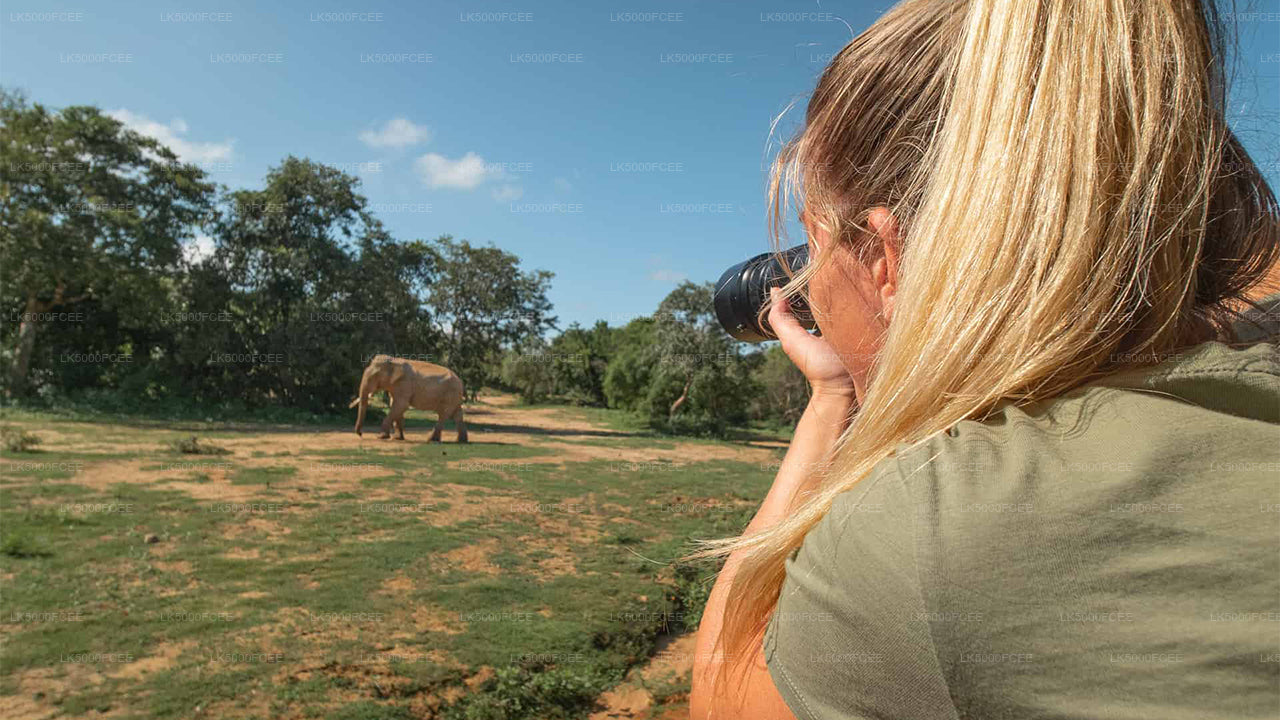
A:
(192, 446)
(531, 379)
(18, 545)
(626, 380)
(15, 440)
(693, 581)
(783, 393)
(515, 693)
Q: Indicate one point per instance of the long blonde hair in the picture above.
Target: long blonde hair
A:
(1069, 197)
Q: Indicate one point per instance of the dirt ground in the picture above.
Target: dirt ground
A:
(496, 419)
(565, 438)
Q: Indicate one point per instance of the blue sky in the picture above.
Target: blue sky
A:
(622, 151)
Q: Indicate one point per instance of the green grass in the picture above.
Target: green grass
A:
(560, 579)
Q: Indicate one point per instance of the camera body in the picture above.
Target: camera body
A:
(744, 288)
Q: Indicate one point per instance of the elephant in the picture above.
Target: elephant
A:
(411, 383)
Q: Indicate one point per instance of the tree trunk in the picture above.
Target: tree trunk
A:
(27, 335)
(26, 344)
(684, 395)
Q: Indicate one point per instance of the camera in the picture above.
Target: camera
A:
(744, 288)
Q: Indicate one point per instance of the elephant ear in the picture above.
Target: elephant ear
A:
(399, 373)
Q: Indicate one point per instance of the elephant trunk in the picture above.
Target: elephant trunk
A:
(366, 387)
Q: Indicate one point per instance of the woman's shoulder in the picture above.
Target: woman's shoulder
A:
(1213, 406)
(1197, 392)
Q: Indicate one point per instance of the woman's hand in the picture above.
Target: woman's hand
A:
(820, 364)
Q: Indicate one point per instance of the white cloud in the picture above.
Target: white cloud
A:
(508, 193)
(465, 173)
(197, 249)
(667, 276)
(399, 132)
(169, 136)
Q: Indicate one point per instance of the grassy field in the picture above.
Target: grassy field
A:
(301, 571)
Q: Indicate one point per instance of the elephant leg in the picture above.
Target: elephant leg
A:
(435, 434)
(462, 425)
(399, 404)
(400, 429)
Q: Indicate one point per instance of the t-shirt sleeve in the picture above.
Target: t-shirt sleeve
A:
(850, 635)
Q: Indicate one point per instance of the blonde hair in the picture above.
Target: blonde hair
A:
(1068, 195)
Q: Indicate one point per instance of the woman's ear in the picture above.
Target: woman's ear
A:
(884, 271)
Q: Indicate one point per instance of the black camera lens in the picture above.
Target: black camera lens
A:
(744, 288)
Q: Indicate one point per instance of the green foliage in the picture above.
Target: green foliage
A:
(682, 352)
(694, 583)
(484, 303)
(92, 221)
(192, 446)
(303, 286)
(699, 384)
(20, 545)
(626, 382)
(784, 392)
(516, 693)
(522, 372)
(16, 440)
(579, 361)
(571, 368)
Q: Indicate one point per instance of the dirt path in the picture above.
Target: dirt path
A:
(634, 697)
(501, 420)
(573, 439)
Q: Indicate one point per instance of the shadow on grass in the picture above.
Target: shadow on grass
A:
(409, 439)
(535, 430)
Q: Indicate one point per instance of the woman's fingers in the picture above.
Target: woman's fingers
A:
(796, 341)
(813, 355)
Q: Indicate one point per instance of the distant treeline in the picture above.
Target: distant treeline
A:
(677, 368)
(127, 275)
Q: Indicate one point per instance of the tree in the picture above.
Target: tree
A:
(307, 286)
(484, 303)
(626, 381)
(699, 383)
(88, 210)
(579, 359)
(524, 371)
(784, 389)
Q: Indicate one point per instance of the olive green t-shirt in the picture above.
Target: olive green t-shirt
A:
(1113, 553)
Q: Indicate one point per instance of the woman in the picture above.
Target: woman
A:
(1032, 232)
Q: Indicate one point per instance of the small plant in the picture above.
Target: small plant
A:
(693, 589)
(669, 689)
(192, 446)
(16, 440)
(624, 536)
(516, 693)
(18, 545)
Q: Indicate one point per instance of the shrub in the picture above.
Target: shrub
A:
(15, 440)
(18, 545)
(515, 693)
(192, 446)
